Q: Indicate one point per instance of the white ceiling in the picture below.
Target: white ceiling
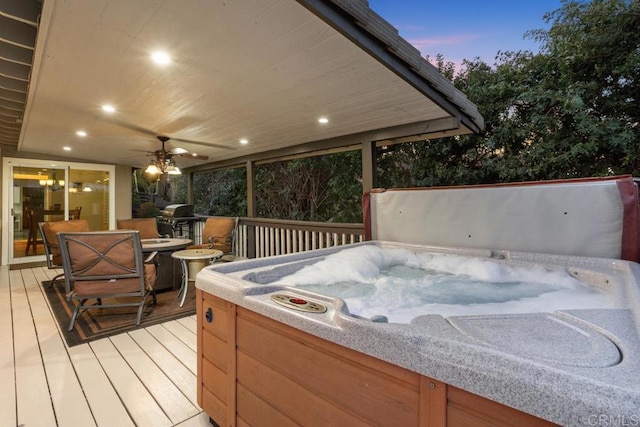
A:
(264, 70)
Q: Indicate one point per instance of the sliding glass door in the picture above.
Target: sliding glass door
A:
(37, 191)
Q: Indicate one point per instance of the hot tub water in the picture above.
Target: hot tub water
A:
(401, 285)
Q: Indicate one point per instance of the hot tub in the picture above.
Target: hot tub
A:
(567, 351)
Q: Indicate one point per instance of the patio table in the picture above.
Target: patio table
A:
(194, 260)
(167, 278)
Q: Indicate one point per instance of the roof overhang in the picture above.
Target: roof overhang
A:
(265, 71)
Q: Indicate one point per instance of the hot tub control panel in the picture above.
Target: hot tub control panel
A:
(298, 303)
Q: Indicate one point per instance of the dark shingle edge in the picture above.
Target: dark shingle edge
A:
(388, 36)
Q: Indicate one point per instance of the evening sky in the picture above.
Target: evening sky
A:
(466, 29)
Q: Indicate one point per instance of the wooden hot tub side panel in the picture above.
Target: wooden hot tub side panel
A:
(468, 409)
(256, 371)
(216, 358)
(320, 380)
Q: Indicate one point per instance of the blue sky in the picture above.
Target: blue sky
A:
(465, 29)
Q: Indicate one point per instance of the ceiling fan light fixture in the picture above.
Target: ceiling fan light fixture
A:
(163, 161)
(171, 168)
(152, 169)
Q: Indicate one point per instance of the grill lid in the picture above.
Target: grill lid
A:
(177, 211)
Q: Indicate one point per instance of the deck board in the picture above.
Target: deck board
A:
(7, 372)
(181, 350)
(105, 404)
(182, 333)
(32, 390)
(189, 322)
(180, 375)
(169, 397)
(145, 378)
(140, 404)
(200, 420)
(69, 403)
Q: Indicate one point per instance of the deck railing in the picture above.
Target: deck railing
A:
(260, 237)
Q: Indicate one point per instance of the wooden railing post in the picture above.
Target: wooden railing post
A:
(251, 241)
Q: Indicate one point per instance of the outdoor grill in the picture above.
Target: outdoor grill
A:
(174, 218)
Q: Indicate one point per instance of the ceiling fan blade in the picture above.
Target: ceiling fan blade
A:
(145, 131)
(192, 156)
(131, 126)
(204, 144)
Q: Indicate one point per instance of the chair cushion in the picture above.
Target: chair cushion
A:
(51, 229)
(118, 259)
(221, 229)
(97, 288)
(148, 227)
(149, 276)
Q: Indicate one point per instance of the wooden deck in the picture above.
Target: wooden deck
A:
(146, 377)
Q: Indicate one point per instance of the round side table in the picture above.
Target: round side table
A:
(193, 260)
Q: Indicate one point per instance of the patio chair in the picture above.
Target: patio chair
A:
(218, 233)
(49, 231)
(75, 213)
(106, 264)
(148, 227)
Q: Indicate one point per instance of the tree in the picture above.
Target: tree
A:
(593, 66)
(321, 188)
(221, 193)
(568, 111)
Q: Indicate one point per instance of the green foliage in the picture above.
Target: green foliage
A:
(178, 185)
(148, 210)
(144, 189)
(323, 188)
(569, 111)
(221, 193)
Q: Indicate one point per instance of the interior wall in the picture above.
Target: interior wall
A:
(123, 206)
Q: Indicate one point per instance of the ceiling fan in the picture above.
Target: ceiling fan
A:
(163, 160)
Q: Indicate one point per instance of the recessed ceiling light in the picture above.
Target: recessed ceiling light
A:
(108, 108)
(323, 120)
(66, 148)
(160, 57)
(81, 133)
(244, 141)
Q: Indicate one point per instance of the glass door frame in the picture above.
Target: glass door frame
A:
(8, 164)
